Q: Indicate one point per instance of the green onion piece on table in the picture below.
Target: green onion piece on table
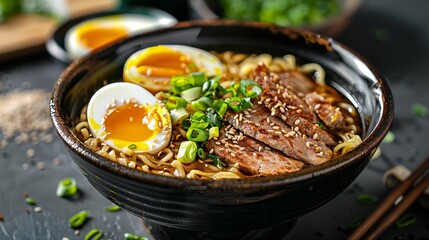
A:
(181, 83)
(113, 208)
(390, 137)
(187, 152)
(197, 134)
(178, 115)
(356, 223)
(191, 94)
(67, 188)
(30, 201)
(174, 102)
(406, 221)
(94, 234)
(129, 236)
(420, 110)
(367, 199)
(77, 220)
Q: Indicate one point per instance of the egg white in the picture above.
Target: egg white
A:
(118, 93)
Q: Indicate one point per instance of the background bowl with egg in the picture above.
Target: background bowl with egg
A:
(80, 36)
(230, 205)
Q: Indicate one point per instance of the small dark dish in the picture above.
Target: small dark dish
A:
(225, 205)
(56, 44)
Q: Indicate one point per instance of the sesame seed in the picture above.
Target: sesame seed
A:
(317, 106)
(254, 154)
(259, 148)
(268, 120)
(308, 144)
(257, 124)
(217, 143)
(233, 154)
(37, 209)
(276, 127)
(267, 148)
(278, 133)
(297, 122)
(296, 129)
(282, 109)
(299, 111)
(270, 131)
(315, 136)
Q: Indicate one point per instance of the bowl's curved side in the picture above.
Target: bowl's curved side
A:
(230, 205)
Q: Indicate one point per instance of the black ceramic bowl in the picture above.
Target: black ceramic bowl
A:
(225, 205)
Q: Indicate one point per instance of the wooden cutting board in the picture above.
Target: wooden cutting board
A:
(27, 33)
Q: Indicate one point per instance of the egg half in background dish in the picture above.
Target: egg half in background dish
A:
(96, 33)
(125, 115)
(153, 67)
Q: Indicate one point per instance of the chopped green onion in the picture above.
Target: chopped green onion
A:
(67, 188)
(367, 199)
(214, 119)
(420, 110)
(199, 78)
(201, 154)
(197, 135)
(187, 152)
(250, 88)
(220, 107)
(234, 103)
(30, 201)
(356, 223)
(186, 123)
(178, 115)
(132, 146)
(217, 161)
(406, 221)
(191, 94)
(181, 83)
(213, 132)
(319, 125)
(94, 234)
(211, 85)
(199, 120)
(245, 103)
(113, 208)
(129, 236)
(201, 104)
(77, 220)
(175, 102)
(390, 137)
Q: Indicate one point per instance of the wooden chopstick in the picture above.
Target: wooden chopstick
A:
(389, 202)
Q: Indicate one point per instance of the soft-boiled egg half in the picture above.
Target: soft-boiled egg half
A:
(127, 115)
(153, 67)
(99, 32)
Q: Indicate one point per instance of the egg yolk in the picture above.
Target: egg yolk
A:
(94, 36)
(162, 61)
(132, 123)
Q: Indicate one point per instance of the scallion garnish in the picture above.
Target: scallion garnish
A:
(420, 110)
(94, 234)
(178, 115)
(66, 188)
(181, 83)
(217, 161)
(197, 134)
(356, 223)
(199, 78)
(202, 104)
(319, 125)
(187, 152)
(77, 220)
(191, 94)
(250, 88)
(174, 102)
(213, 132)
(129, 236)
(186, 123)
(234, 103)
(199, 120)
(390, 137)
(406, 221)
(132, 146)
(30, 201)
(220, 106)
(113, 208)
(201, 154)
(214, 119)
(367, 199)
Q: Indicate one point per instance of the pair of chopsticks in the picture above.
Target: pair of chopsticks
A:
(362, 232)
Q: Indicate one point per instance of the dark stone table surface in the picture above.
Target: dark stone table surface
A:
(392, 34)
